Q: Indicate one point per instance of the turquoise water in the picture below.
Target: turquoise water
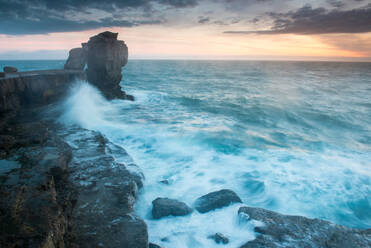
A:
(32, 65)
(293, 137)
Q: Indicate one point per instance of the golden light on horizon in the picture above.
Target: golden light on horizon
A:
(198, 42)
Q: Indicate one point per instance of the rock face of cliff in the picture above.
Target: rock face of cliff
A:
(106, 192)
(106, 57)
(36, 198)
(21, 90)
(76, 59)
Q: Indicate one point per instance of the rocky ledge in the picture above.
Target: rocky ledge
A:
(61, 189)
(22, 90)
(36, 197)
(278, 230)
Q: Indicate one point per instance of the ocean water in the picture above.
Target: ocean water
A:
(293, 137)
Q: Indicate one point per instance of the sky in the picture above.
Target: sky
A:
(337, 30)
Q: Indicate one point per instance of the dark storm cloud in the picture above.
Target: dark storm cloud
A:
(308, 20)
(45, 16)
(203, 20)
(336, 3)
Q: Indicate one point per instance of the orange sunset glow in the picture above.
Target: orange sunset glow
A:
(192, 32)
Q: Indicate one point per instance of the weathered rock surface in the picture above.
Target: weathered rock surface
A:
(217, 199)
(36, 198)
(219, 238)
(76, 59)
(10, 69)
(297, 231)
(106, 57)
(33, 89)
(163, 207)
(104, 212)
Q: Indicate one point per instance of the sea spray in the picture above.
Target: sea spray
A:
(297, 147)
(85, 106)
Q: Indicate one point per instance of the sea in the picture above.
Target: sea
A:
(292, 137)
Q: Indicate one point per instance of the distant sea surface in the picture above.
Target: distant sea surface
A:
(293, 137)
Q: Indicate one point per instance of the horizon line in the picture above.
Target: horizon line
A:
(365, 60)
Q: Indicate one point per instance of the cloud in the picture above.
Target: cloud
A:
(359, 43)
(308, 21)
(19, 17)
(203, 20)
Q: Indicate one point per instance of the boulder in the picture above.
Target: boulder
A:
(76, 59)
(165, 181)
(106, 56)
(164, 207)
(297, 231)
(152, 245)
(217, 199)
(10, 69)
(219, 238)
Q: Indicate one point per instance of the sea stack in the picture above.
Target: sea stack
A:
(105, 57)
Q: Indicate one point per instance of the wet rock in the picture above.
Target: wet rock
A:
(36, 198)
(7, 142)
(152, 245)
(76, 59)
(217, 199)
(10, 69)
(23, 90)
(164, 207)
(297, 231)
(104, 211)
(219, 238)
(166, 181)
(2, 74)
(135, 234)
(106, 57)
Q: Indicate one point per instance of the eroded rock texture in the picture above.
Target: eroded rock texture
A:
(297, 231)
(105, 57)
(76, 59)
(36, 198)
(107, 189)
(163, 207)
(217, 199)
(22, 90)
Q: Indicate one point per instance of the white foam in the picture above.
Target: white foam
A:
(288, 180)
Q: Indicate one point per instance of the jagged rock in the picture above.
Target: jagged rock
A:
(219, 238)
(10, 69)
(164, 207)
(135, 234)
(7, 142)
(297, 231)
(99, 178)
(106, 57)
(36, 198)
(35, 88)
(76, 59)
(217, 199)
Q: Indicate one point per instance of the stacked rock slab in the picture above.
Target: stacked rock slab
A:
(76, 59)
(106, 57)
